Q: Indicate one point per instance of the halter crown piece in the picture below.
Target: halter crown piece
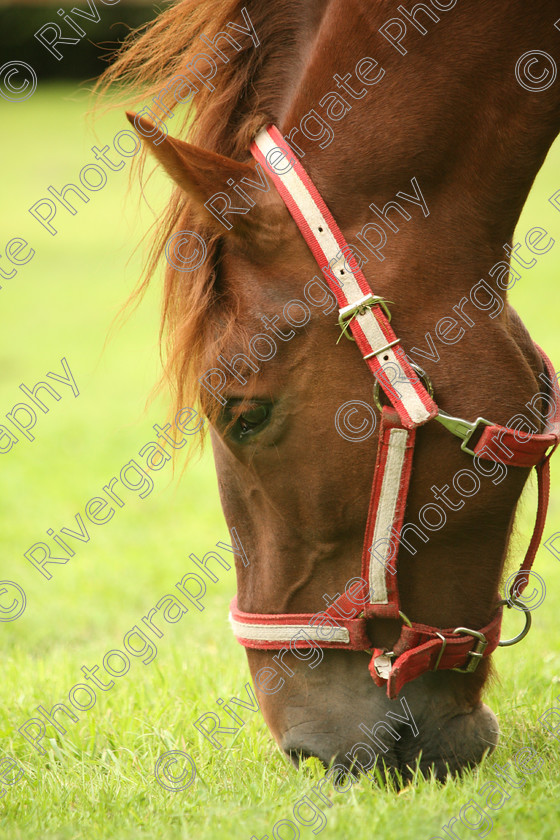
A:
(420, 647)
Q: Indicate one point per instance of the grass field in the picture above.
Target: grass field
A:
(97, 780)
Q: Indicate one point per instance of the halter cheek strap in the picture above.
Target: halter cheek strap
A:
(420, 647)
(360, 310)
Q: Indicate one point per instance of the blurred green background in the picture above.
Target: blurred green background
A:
(98, 780)
(21, 19)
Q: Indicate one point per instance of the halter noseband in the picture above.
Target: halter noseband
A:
(420, 647)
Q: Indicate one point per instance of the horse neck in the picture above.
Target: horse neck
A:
(450, 112)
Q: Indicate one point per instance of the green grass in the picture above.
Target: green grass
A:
(98, 781)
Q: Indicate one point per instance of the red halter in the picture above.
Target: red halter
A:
(420, 647)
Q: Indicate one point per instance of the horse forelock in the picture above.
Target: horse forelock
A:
(247, 95)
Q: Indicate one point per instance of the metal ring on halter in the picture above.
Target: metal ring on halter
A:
(421, 373)
(528, 619)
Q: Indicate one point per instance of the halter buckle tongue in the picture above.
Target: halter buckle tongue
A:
(477, 652)
(461, 428)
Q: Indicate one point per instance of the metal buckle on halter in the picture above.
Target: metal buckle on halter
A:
(383, 664)
(444, 645)
(461, 428)
(359, 307)
(476, 653)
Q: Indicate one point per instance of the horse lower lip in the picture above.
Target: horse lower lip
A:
(448, 745)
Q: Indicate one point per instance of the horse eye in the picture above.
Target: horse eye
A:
(254, 417)
(242, 419)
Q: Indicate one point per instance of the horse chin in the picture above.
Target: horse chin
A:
(352, 724)
(462, 743)
(446, 748)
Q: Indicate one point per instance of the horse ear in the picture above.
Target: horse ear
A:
(203, 174)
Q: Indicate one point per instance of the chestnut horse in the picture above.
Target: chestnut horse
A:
(438, 105)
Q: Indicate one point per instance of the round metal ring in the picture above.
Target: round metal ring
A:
(421, 373)
(528, 619)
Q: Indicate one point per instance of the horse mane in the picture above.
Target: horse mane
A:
(224, 120)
